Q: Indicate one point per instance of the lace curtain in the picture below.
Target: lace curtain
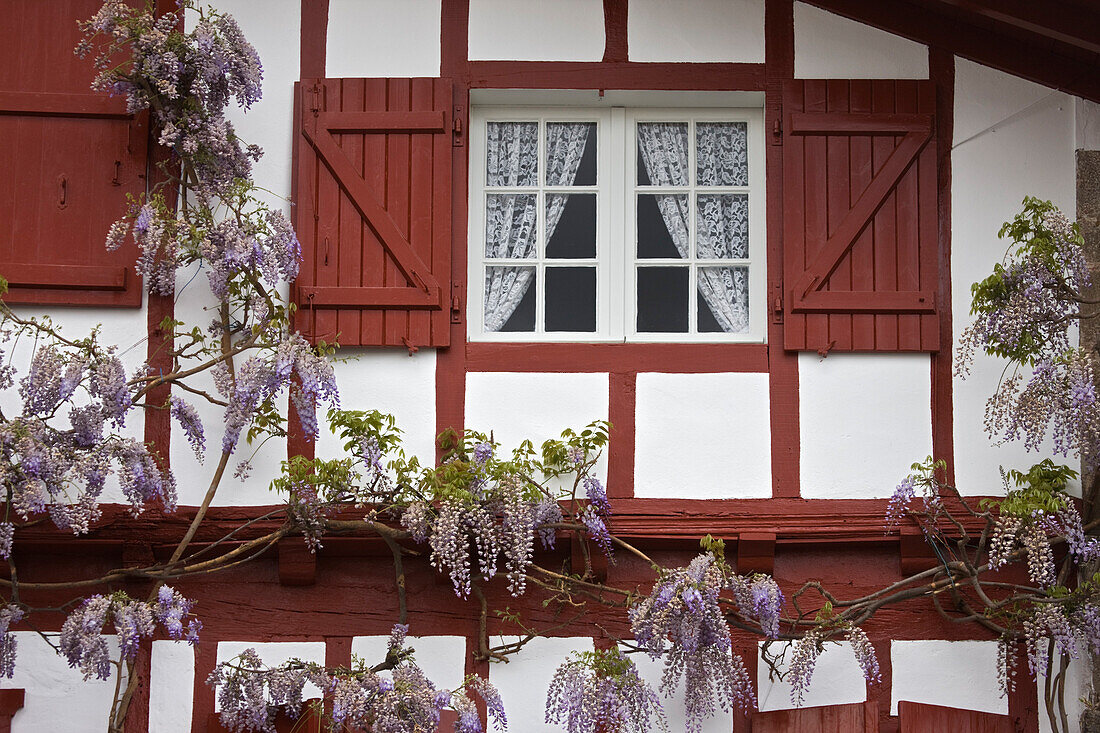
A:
(511, 218)
(722, 219)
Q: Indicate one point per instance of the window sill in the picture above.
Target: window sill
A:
(697, 358)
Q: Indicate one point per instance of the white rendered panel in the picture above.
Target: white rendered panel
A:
(864, 419)
(828, 46)
(837, 679)
(443, 658)
(954, 674)
(700, 31)
(392, 382)
(273, 654)
(1013, 139)
(171, 687)
(376, 38)
(702, 436)
(57, 697)
(523, 682)
(533, 30)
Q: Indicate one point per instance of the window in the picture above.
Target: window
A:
(616, 224)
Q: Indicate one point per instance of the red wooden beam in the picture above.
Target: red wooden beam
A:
(614, 75)
(677, 358)
(1071, 24)
(11, 702)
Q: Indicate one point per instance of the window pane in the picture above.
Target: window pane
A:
(723, 226)
(510, 299)
(663, 299)
(663, 153)
(721, 153)
(571, 225)
(663, 226)
(570, 153)
(724, 292)
(510, 220)
(571, 299)
(512, 153)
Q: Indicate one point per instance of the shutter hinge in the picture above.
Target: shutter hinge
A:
(458, 139)
(777, 302)
(456, 307)
(777, 131)
(316, 98)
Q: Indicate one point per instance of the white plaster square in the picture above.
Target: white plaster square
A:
(57, 697)
(273, 654)
(534, 30)
(829, 46)
(171, 687)
(955, 674)
(1077, 689)
(373, 38)
(864, 419)
(443, 658)
(525, 679)
(1013, 139)
(392, 382)
(702, 436)
(516, 406)
(675, 710)
(705, 31)
(837, 679)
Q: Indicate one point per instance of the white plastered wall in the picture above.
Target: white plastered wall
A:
(393, 382)
(828, 46)
(442, 658)
(274, 28)
(374, 38)
(703, 31)
(837, 679)
(864, 419)
(1012, 139)
(57, 698)
(673, 704)
(954, 674)
(702, 436)
(535, 30)
(171, 687)
(523, 682)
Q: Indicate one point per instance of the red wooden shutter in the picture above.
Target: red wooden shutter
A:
(373, 192)
(860, 216)
(69, 157)
(921, 718)
(860, 717)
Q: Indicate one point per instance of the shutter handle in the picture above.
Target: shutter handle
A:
(62, 191)
(326, 254)
(118, 172)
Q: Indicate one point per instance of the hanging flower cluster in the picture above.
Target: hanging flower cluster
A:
(602, 692)
(405, 701)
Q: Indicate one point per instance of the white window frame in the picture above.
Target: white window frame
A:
(616, 201)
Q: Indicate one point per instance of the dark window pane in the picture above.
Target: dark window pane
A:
(663, 299)
(571, 299)
(571, 154)
(724, 299)
(510, 299)
(571, 224)
(655, 212)
(707, 322)
(643, 177)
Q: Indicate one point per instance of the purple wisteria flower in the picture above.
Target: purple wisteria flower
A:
(759, 598)
(9, 614)
(593, 692)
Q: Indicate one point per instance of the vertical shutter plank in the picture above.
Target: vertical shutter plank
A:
(863, 254)
(329, 195)
(441, 210)
(398, 191)
(908, 230)
(350, 259)
(420, 208)
(929, 223)
(839, 203)
(817, 215)
(885, 223)
(374, 258)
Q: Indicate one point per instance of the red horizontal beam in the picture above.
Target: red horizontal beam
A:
(381, 122)
(51, 104)
(855, 123)
(63, 277)
(614, 75)
(682, 358)
(313, 296)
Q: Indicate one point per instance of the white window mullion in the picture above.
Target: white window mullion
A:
(614, 257)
